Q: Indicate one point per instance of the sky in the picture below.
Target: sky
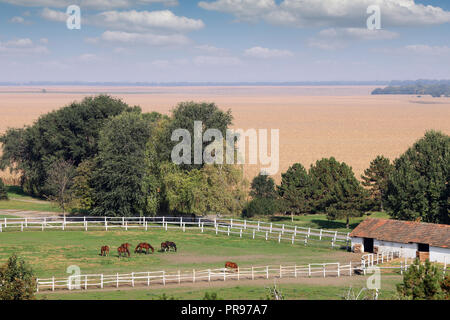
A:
(224, 40)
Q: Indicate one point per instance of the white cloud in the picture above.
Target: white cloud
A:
(416, 49)
(337, 38)
(142, 21)
(23, 46)
(211, 49)
(266, 53)
(343, 13)
(91, 4)
(88, 57)
(146, 38)
(17, 20)
(43, 40)
(53, 15)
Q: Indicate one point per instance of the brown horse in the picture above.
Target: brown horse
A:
(104, 251)
(231, 265)
(124, 249)
(166, 246)
(144, 246)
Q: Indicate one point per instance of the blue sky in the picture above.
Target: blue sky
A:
(224, 40)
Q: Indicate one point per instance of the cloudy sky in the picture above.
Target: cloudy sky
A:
(224, 40)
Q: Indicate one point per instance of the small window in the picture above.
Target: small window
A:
(424, 247)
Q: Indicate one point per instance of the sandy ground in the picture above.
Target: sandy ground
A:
(314, 122)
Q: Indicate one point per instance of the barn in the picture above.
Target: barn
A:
(411, 239)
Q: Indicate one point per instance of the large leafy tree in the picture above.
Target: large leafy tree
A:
(376, 177)
(336, 190)
(70, 134)
(120, 167)
(17, 280)
(183, 117)
(419, 185)
(295, 190)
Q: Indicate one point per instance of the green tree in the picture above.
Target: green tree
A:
(261, 206)
(183, 117)
(421, 282)
(376, 178)
(70, 133)
(263, 186)
(419, 185)
(336, 190)
(59, 183)
(120, 167)
(82, 186)
(295, 190)
(17, 280)
(3, 193)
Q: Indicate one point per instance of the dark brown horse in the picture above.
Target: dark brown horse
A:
(104, 251)
(144, 246)
(166, 246)
(124, 249)
(231, 265)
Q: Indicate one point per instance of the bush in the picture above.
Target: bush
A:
(17, 281)
(3, 193)
(261, 206)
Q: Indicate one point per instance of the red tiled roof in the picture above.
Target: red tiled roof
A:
(436, 235)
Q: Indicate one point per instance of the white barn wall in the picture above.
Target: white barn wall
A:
(438, 254)
(407, 250)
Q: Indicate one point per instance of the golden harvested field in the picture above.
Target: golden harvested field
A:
(314, 122)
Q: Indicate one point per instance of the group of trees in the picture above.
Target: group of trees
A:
(328, 186)
(414, 187)
(103, 157)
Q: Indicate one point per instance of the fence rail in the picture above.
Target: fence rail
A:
(90, 281)
(229, 226)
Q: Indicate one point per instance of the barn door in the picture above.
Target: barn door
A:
(368, 245)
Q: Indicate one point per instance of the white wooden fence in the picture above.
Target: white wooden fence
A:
(100, 281)
(241, 228)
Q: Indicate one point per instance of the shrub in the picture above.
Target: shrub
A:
(17, 281)
(3, 193)
(261, 206)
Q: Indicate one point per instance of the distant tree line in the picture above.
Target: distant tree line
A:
(103, 157)
(433, 88)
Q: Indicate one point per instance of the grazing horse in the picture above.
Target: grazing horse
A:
(166, 246)
(104, 251)
(231, 265)
(144, 246)
(124, 249)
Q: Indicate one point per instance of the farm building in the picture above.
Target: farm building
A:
(411, 239)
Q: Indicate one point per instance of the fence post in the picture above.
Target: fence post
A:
(164, 278)
(279, 237)
(324, 270)
(181, 221)
(148, 279)
(295, 270)
(163, 218)
(193, 275)
(126, 225)
(166, 226)
(64, 222)
(253, 274)
(45, 223)
(270, 227)
(309, 270)
(85, 282)
(240, 233)
(267, 272)
(0, 227)
(295, 230)
(228, 230)
(320, 235)
(217, 230)
(146, 225)
(26, 222)
(231, 222)
(53, 283)
(85, 224)
(335, 236)
(338, 269)
(253, 233)
(202, 226)
(179, 277)
(224, 274)
(209, 275)
(21, 226)
(106, 224)
(281, 272)
(238, 273)
(293, 238)
(245, 224)
(266, 235)
(309, 232)
(184, 227)
(350, 269)
(215, 222)
(132, 279)
(282, 228)
(258, 225)
(123, 221)
(101, 281)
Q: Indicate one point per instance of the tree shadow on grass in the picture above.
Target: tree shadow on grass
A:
(330, 224)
